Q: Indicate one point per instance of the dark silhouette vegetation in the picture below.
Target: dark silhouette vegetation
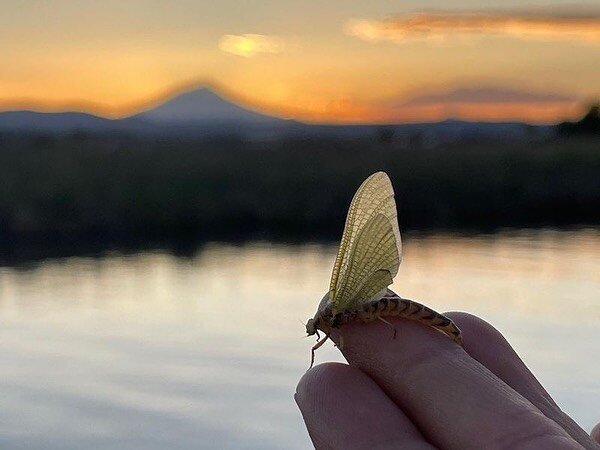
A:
(94, 187)
(588, 125)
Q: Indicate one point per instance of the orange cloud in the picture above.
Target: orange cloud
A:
(441, 25)
(493, 103)
(486, 103)
(248, 45)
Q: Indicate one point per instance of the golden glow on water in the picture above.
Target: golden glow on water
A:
(523, 266)
(183, 350)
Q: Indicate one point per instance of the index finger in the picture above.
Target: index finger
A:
(454, 400)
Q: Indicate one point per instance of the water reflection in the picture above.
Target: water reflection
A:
(149, 350)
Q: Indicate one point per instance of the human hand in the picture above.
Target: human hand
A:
(422, 391)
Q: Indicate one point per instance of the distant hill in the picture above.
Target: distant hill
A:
(59, 122)
(203, 112)
(198, 112)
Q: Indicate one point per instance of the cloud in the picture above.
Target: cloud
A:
(248, 45)
(489, 95)
(484, 103)
(476, 102)
(442, 25)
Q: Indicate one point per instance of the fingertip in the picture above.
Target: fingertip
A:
(308, 396)
(479, 336)
(473, 328)
(316, 379)
(338, 402)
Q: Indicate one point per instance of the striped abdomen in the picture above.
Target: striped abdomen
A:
(391, 305)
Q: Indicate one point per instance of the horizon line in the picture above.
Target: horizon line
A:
(441, 114)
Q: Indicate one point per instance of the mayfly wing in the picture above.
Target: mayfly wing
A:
(370, 250)
(372, 258)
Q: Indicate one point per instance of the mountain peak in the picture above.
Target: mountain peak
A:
(204, 105)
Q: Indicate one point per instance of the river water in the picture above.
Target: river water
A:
(148, 350)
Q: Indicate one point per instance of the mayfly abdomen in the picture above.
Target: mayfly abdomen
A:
(394, 306)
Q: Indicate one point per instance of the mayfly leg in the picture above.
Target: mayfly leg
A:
(315, 348)
(340, 343)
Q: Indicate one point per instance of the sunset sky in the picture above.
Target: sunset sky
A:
(323, 61)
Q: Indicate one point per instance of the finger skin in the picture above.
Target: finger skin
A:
(596, 433)
(454, 400)
(344, 409)
(487, 345)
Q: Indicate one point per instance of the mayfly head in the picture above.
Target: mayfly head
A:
(311, 327)
(324, 309)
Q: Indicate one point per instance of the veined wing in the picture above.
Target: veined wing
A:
(370, 250)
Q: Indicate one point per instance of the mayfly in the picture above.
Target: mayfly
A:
(367, 261)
